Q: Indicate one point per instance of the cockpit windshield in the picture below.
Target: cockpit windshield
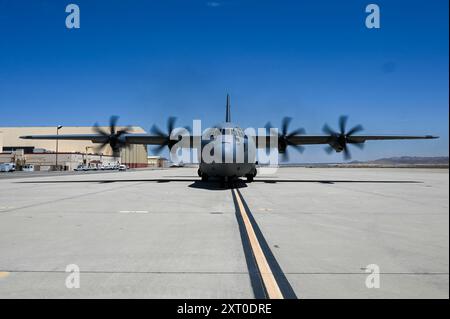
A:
(232, 131)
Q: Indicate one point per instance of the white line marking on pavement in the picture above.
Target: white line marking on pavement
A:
(133, 211)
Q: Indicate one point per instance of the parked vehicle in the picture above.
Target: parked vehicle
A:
(28, 168)
(122, 167)
(80, 168)
(7, 167)
(108, 167)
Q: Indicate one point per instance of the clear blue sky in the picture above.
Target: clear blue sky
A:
(312, 60)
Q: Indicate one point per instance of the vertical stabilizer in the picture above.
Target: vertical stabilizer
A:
(228, 114)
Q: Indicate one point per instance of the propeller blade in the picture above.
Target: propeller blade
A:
(343, 123)
(358, 145)
(100, 147)
(285, 125)
(356, 129)
(285, 156)
(328, 130)
(171, 124)
(269, 128)
(158, 149)
(298, 131)
(126, 130)
(98, 130)
(112, 123)
(298, 148)
(346, 153)
(157, 131)
(329, 149)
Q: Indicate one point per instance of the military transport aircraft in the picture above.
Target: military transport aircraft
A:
(226, 150)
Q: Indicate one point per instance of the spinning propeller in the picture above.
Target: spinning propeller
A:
(166, 135)
(284, 137)
(339, 140)
(113, 137)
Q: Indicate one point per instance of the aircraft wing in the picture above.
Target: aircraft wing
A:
(160, 140)
(96, 138)
(128, 138)
(124, 139)
(363, 138)
(264, 141)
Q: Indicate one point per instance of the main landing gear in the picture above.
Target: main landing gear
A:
(251, 176)
(202, 175)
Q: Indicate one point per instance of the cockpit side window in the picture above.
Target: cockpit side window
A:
(238, 132)
(211, 132)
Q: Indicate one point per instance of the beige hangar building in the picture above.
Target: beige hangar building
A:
(42, 153)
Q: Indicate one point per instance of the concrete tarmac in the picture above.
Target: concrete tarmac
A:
(165, 234)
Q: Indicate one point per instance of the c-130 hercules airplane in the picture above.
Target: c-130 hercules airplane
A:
(227, 151)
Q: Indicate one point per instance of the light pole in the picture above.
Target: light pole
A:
(56, 158)
(88, 147)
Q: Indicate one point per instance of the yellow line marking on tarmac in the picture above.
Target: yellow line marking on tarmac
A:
(4, 274)
(269, 281)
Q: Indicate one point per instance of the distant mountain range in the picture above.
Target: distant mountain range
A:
(399, 161)
(408, 160)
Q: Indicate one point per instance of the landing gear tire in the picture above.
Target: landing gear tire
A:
(225, 182)
(250, 178)
(202, 175)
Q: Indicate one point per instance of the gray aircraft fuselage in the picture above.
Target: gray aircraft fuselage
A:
(234, 158)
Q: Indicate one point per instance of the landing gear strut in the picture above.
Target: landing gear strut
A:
(202, 175)
(251, 176)
(226, 182)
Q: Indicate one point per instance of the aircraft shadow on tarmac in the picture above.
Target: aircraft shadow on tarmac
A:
(218, 185)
